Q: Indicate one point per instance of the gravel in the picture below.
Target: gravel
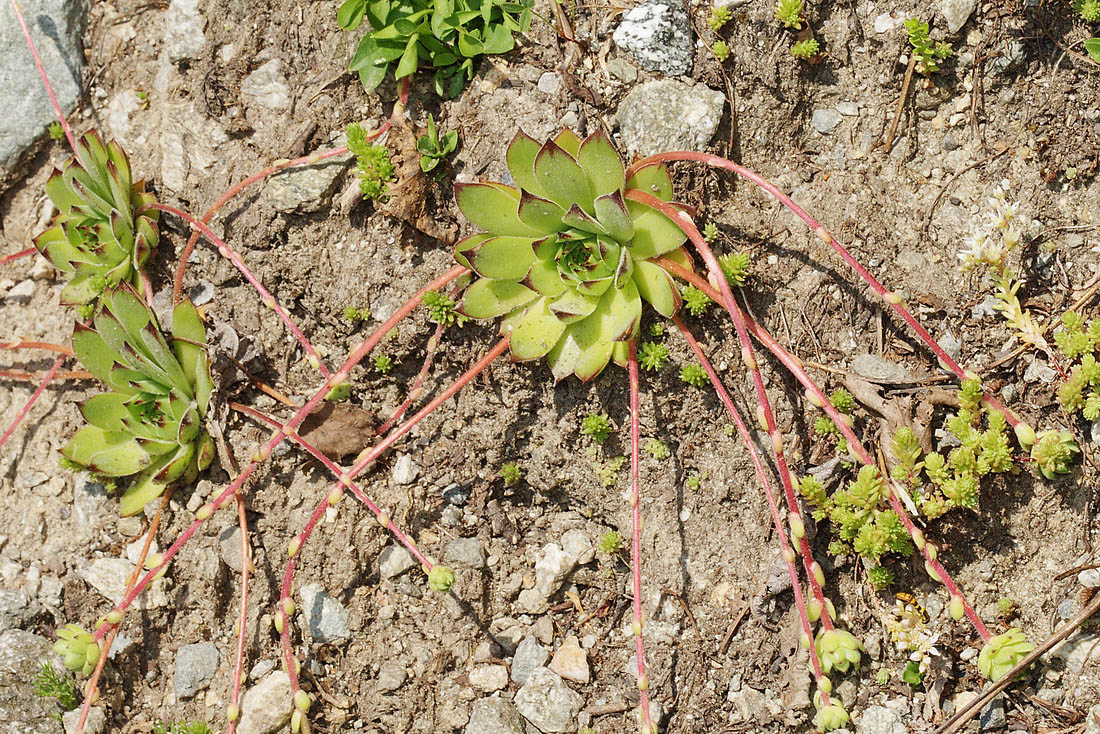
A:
(394, 560)
(195, 667)
(21, 709)
(266, 706)
(326, 616)
(530, 656)
(495, 716)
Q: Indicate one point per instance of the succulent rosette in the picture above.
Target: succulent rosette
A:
(150, 423)
(105, 229)
(1002, 653)
(566, 258)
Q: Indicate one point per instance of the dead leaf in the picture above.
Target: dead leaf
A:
(408, 197)
(338, 430)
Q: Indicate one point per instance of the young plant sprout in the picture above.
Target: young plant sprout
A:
(720, 50)
(928, 54)
(805, 49)
(596, 426)
(434, 149)
(789, 13)
(510, 473)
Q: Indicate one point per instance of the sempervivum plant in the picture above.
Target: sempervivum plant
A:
(151, 422)
(565, 257)
(106, 227)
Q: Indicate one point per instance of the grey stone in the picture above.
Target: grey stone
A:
(96, 723)
(1011, 56)
(1089, 577)
(658, 34)
(391, 676)
(622, 70)
(489, 678)
(191, 144)
(956, 13)
(951, 345)
(548, 703)
(394, 560)
(750, 705)
(1092, 720)
(405, 470)
(466, 552)
(1039, 371)
(57, 27)
(17, 608)
(1073, 652)
(183, 30)
(576, 543)
(993, 715)
(950, 142)
(267, 87)
(229, 543)
(848, 109)
(21, 292)
(326, 616)
(305, 189)
(195, 667)
(825, 120)
(530, 656)
(876, 369)
(669, 115)
(495, 716)
(266, 706)
(549, 82)
(108, 576)
(260, 669)
(456, 495)
(1054, 695)
(553, 565)
(21, 709)
(881, 720)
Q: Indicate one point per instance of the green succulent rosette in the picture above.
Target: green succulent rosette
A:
(150, 423)
(566, 258)
(1002, 653)
(838, 650)
(105, 229)
(78, 648)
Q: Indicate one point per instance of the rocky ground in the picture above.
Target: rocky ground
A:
(535, 637)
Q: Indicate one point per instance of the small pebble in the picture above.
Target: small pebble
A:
(571, 662)
(405, 470)
(825, 120)
(391, 676)
(489, 678)
(22, 292)
(549, 82)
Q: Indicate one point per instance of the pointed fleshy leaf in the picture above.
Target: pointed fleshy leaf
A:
(54, 245)
(492, 208)
(165, 359)
(188, 333)
(106, 411)
(520, 158)
(657, 288)
(625, 268)
(562, 179)
(654, 233)
(503, 258)
(577, 218)
(487, 299)
(563, 357)
(60, 193)
(469, 243)
(682, 257)
(547, 248)
(80, 289)
(653, 179)
(115, 454)
(176, 465)
(620, 353)
(143, 491)
(571, 305)
(599, 159)
(97, 357)
(623, 311)
(568, 141)
(541, 214)
(612, 214)
(545, 278)
(537, 332)
(120, 193)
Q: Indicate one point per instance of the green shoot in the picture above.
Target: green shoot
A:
(55, 130)
(373, 162)
(719, 16)
(880, 577)
(657, 329)
(510, 473)
(693, 374)
(143, 99)
(49, 683)
(352, 314)
(608, 470)
(182, 727)
(383, 363)
(695, 482)
(805, 49)
(653, 356)
(434, 149)
(657, 448)
(883, 676)
(736, 266)
(710, 231)
(789, 13)
(695, 300)
(596, 426)
(928, 55)
(441, 309)
(720, 50)
(610, 542)
(1089, 10)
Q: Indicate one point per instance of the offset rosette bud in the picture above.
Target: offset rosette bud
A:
(1053, 452)
(105, 229)
(566, 258)
(831, 717)
(150, 424)
(1002, 653)
(837, 650)
(441, 578)
(78, 648)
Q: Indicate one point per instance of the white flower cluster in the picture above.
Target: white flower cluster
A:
(910, 634)
(991, 243)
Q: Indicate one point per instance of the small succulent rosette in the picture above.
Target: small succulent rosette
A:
(105, 229)
(566, 257)
(150, 423)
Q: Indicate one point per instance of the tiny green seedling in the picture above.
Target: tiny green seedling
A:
(695, 482)
(720, 50)
(383, 363)
(695, 301)
(353, 315)
(434, 149)
(693, 374)
(789, 13)
(1089, 10)
(56, 131)
(510, 473)
(596, 426)
(806, 49)
(719, 16)
(658, 449)
(927, 54)
(610, 542)
(737, 267)
(50, 683)
(182, 727)
(375, 169)
(442, 310)
(652, 356)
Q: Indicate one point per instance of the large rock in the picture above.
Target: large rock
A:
(666, 115)
(548, 703)
(21, 709)
(495, 716)
(266, 706)
(195, 667)
(183, 30)
(57, 27)
(658, 34)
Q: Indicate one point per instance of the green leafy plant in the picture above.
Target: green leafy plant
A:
(720, 50)
(695, 482)
(510, 473)
(736, 266)
(719, 16)
(105, 229)
(1079, 346)
(434, 149)
(610, 542)
(1092, 47)
(596, 426)
(653, 356)
(805, 49)
(1054, 452)
(912, 674)
(150, 423)
(182, 727)
(927, 53)
(441, 309)
(789, 13)
(658, 449)
(693, 374)
(78, 648)
(352, 314)
(56, 132)
(1089, 10)
(383, 363)
(50, 683)
(695, 300)
(375, 169)
(1001, 653)
(444, 35)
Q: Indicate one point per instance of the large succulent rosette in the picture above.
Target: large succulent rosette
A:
(566, 257)
(105, 229)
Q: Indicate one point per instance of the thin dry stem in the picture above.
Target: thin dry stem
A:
(16, 255)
